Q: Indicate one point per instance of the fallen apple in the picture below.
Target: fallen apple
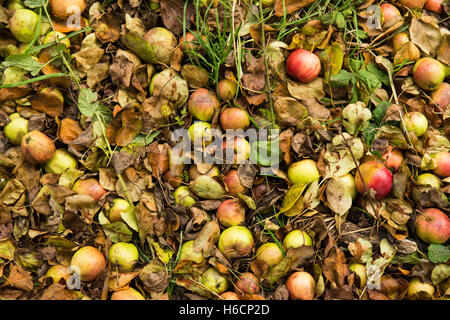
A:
(376, 177)
(124, 256)
(89, 262)
(301, 286)
(433, 226)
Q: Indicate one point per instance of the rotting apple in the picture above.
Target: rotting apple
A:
(433, 226)
(87, 262)
(236, 242)
(37, 147)
(58, 272)
(162, 43)
(61, 161)
(127, 294)
(203, 103)
(428, 179)
(418, 290)
(247, 283)
(183, 196)
(214, 281)
(393, 158)
(301, 286)
(16, 128)
(90, 187)
(270, 253)
(119, 205)
(428, 73)
(124, 256)
(234, 118)
(230, 213)
(441, 96)
(297, 238)
(189, 42)
(233, 183)
(416, 122)
(442, 164)
(303, 172)
(227, 89)
(360, 270)
(376, 177)
(303, 66)
(188, 253)
(23, 24)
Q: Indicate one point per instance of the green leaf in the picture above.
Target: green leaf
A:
(34, 3)
(87, 102)
(23, 61)
(370, 79)
(369, 133)
(118, 232)
(380, 111)
(130, 218)
(340, 20)
(381, 75)
(145, 139)
(438, 253)
(341, 79)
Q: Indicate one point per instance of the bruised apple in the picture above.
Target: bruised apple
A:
(433, 226)
(37, 147)
(428, 179)
(227, 89)
(63, 9)
(303, 66)
(441, 96)
(434, 5)
(89, 262)
(233, 183)
(236, 242)
(58, 272)
(413, 4)
(230, 213)
(247, 283)
(301, 286)
(360, 270)
(377, 179)
(90, 187)
(418, 290)
(183, 196)
(393, 159)
(187, 253)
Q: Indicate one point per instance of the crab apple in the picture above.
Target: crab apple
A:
(230, 295)
(123, 255)
(61, 161)
(393, 158)
(413, 4)
(183, 196)
(303, 66)
(23, 24)
(376, 177)
(203, 104)
(58, 272)
(418, 290)
(227, 89)
(270, 253)
(389, 11)
(89, 262)
(194, 172)
(236, 242)
(303, 172)
(16, 128)
(127, 294)
(441, 96)
(416, 122)
(234, 118)
(233, 183)
(428, 179)
(301, 286)
(433, 226)
(442, 164)
(90, 187)
(428, 73)
(230, 213)
(434, 5)
(297, 238)
(247, 283)
(214, 281)
(188, 253)
(118, 206)
(360, 270)
(37, 147)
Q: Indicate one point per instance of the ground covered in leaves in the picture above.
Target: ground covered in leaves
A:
(110, 89)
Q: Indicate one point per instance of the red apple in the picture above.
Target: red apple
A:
(393, 159)
(247, 283)
(90, 187)
(441, 96)
(233, 183)
(231, 212)
(301, 286)
(303, 66)
(89, 262)
(376, 177)
(434, 5)
(389, 11)
(37, 147)
(413, 4)
(433, 226)
(202, 104)
(428, 73)
(442, 164)
(234, 118)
